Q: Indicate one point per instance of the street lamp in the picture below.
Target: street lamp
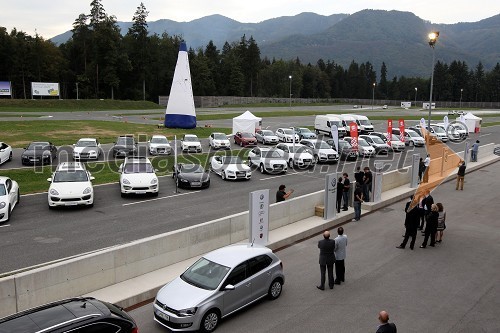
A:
(416, 89)
(461, 91)
(433, 36)
(290, 98)
(373, 95)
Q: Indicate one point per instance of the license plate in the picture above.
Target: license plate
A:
(141, 192)
(195, 184)
(163, 316)
(71, 204)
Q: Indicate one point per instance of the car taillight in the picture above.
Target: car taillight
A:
(135, 330)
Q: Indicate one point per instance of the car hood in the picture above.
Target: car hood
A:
(162, 145)
(303, 156)
(85, 149)
(194, 176)
(221, 141)
(191, 143)
(309, 135)
(271, 137)
(139, 178)
(327, 151)
(366, 148)
(236, 167)
(274, 160)
(35, 152)
(70, 187)
(180, 295)
(120, 147)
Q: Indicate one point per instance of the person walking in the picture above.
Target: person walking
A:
(412, 220)
(282, 195)
(441, 222)
(474, 151)
(385, 326)
(427, 162)
(367, 183)
(345, 191)
(326, 259)
(431, 227)
(358, 200)
(340, 254)
(460, 176)
(340, 193)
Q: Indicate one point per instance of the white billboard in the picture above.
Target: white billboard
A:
(44, 89)
(259, 217)
(426, 106)
(5, 89)
(406, 105)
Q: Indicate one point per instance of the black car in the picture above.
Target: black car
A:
(345, 149)
(82, 315)
(39, 153)
(191, 176)
(124, 146)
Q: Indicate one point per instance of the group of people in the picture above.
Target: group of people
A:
(426, 216)
(362, 190)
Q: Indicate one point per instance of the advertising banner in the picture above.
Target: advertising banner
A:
(446, 122)
(353, 129)
(406, 105)
(389, 131)
(335, 135)
(44, 89)
(330, 196)
(259, 217)
(414, 170)
(5, 89)
(377, 183)
(401, 124)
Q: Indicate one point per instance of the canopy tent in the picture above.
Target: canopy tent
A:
(246, 122)
(472, 122)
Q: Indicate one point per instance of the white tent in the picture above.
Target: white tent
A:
(246, 122)
(472, 122)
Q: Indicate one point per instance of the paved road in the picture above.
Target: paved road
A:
(452, 288)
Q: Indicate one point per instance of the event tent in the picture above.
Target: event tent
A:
(472, 122)
(246, 122)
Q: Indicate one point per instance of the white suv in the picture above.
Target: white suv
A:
(159, 145)
(190, 142)
(300, 157)
(322, 151)
(219, 140)
(268, 160)
(137, 176)
(70, 185)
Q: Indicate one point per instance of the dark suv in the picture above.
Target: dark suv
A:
(75, 315)
(124, 146)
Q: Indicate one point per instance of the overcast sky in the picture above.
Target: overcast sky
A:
(53, 17)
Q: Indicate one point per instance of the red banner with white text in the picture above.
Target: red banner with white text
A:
(389, 131)
(353, 128)
(401, 124)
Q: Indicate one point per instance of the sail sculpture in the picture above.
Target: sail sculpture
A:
(180, 111)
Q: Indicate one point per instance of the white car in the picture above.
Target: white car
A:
(5, 152)
(364, 148)
(230, 167)
(321, 150)
(436, 131)
(412, 138)
(9, 197)
(381, 147)
(286, 135)
(269, 160)
(266, 137)
(137, 176)
(87, 149)
(456, 131)
(299, 155)
(159, 145)
(396, 144)
(191, 143)
(70, 185)
(219, 141)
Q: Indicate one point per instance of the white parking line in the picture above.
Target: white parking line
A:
(170, 196)
(5, 225)
(484, 135)
(278, 176)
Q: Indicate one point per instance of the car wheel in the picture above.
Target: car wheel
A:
(317, 132)
(18, 197)
(155, 194)
(290, 163)
(316, 159)
(122, 194)
(262, 169)
(223, 175)
(51, 207)
(275, 289)
(210, 321)
(8, 215)
(10, 157)
(411, 144)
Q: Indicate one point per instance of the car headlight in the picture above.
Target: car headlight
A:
(187, 312)
(2, 205)
(230, 172)
(155, 180)
(125, 181)
(54, 192)
(322, 154)
(184, 180)
(87, 190)
(46, 154)
(75, 153)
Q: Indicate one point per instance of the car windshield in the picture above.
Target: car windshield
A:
(344, 145)
(270, 154)
(336, 123)
(70, 176)
(287, 131)
(205, 274)
(38, 146)
(191, 168)
(304, 130)
(378, 140)
(128, 141)
(159, 140)
(233, 160)
(2, 189)
(138, 168)
(247, 135)
(191, 139)
(413, 134)
(86, 143)
(364, 122)
(438, 129)
(363, 143)
(298, 149)
(267, 133)
(322, 145)
(220, 136)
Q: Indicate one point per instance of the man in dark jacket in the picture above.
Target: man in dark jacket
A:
(326, 259)
(461, 176)
(385, 325)
(427, 202)
(412, 221)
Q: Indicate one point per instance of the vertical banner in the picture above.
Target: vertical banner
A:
(401, 124)
(335, 135)
(389, 131)
(353, 129)
(446, 123)
(377, 183)
(259, 217)
(466, 151)
(330, 196)
(414, 170)
(5, 88)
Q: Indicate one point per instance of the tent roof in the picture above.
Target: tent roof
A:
(248, 115)
(469, 115)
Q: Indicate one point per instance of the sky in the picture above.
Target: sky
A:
(53, 17)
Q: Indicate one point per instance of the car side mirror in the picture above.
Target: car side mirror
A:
(92, 178)
(49, 180)
(229, 287)
(74, 144)
(156, 170)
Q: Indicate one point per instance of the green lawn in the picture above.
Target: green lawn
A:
(72, 105)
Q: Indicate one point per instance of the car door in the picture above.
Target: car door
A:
(260, 273)
(242, 293)
(254, 156)
(280, 134)
(4, 154)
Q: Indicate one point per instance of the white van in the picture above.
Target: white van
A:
(364, 124)
(322, 124)
(346, 120)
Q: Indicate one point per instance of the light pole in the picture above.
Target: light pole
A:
(290, 98)
(416, 89)
(461, 91)
(373, 95)
(433, 36)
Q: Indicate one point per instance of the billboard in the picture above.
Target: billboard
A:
(44, 89)
(5, 88)
(426, 106)
(406, 105)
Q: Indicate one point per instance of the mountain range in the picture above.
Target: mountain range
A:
(397, 38)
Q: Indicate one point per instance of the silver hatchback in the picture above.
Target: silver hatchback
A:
(218, 284)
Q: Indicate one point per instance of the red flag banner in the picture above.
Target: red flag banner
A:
(401, 123)
(353, 128)
(389, 131)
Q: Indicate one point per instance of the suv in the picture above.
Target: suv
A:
(381, 147)
(322, 151)
(124, 146)
(71, 185)
(74, 315)
(267, 160)
(138, 176)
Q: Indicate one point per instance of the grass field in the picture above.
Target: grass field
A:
(73, 105)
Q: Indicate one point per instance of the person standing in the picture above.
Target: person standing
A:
(427, 203)
(431, 227)
(421, 169)
(345, 191)
(367, 183)
(460, 176)
(385, 326)
(359, 175)
(282, 195)
(326, 259)
(427, 162)
(340, 254)
(412, 220)
(441, 222)
(358, 200)
(474, 151)
(340, 193)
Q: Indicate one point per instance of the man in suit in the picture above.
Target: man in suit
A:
(385, 326)
(427, 202)
(326, 259)
(412, 221)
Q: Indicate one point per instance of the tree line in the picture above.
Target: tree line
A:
(98, 62)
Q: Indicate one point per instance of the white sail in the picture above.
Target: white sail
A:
(180, 111)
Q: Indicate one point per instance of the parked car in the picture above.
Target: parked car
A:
(296, 155)
(218, 284)
(384, 106)
(9, 197)
(266, 137)
(420, 133)
(70, 185)
(39, 153)
(412, 138)
(159, 145)
(268, 160)
(395, 143)
(304, 133)
(74, 315)
(245, 139)
(344, 149)
(191, 143)
(230, 167)
(322, 151)
(124, 146)
(286, 135)
(5, 152)
(436, 132)
(87, 149)
(191, 176)
(219, 141)
(137, 176)
(380, 146)
(364, 148)
(456, 131)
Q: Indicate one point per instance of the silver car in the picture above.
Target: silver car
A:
(218, 284)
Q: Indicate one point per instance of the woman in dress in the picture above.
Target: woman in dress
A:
(441, 222)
